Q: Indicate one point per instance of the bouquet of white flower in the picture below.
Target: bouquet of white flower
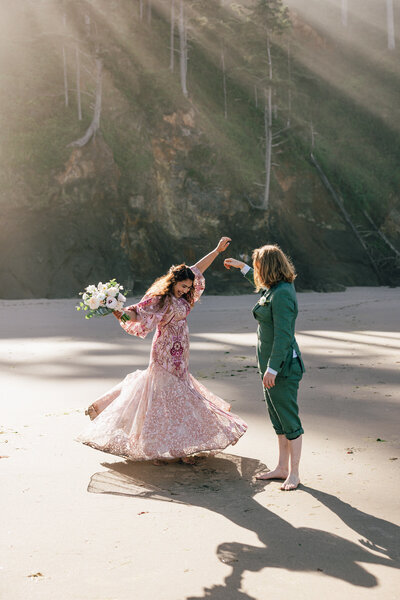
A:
(103, 299)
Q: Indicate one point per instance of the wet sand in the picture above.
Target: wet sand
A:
(79, 524)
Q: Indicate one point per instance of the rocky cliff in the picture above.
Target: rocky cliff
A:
(163, 173)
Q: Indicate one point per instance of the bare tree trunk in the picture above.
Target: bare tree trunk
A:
(172, 38)
(149, 10)
(65, 76)
(339, 203)
(95, 124)
(344, 12)
(313, 134)
(224, 82)
(290, 87)
(390, 24)
(268, 128)
(87, 25)
(141, 10)
(268, 144)
(382, 235)
(183, 49)
(78, 82)
(186, 56)
(256, 95)
(65, 64)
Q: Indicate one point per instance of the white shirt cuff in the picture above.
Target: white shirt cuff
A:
(245, 269)
(272, 371)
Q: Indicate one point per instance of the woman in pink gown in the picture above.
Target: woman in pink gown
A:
(164, 413)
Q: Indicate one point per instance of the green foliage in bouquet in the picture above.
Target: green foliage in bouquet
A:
(102, 300)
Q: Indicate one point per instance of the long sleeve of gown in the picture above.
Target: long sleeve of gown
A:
(199, 283)
(149, 315)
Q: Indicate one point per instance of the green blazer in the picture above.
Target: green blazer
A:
(276, 324)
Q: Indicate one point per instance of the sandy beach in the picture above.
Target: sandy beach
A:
(78, 524)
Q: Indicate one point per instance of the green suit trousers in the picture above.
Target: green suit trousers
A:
(282, 403)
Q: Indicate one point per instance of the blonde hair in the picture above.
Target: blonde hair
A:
(271, 265)
(163, 286)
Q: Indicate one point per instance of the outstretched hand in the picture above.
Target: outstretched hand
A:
(223, 244)
(232, 262)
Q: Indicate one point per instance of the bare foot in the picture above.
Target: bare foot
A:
(278, 473)
(189, 460)
(91, 412)
(291, 483)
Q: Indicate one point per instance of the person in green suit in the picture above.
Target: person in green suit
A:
(278, 354)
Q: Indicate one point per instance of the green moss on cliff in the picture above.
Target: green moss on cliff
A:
(169, 163)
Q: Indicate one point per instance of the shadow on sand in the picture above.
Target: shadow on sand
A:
(225, 484)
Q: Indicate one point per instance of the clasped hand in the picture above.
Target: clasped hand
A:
(131, 313)
(232, 262)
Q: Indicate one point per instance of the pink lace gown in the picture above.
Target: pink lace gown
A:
(162, 412)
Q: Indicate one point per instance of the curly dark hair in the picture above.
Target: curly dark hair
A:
(163, 286)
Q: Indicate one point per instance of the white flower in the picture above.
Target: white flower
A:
(112, 291)
(108, 295)
(94, 302)
(262, 301)
(111, 303)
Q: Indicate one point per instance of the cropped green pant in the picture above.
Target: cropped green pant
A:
(282, 403)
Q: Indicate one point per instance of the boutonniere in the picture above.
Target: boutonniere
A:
(262, 301)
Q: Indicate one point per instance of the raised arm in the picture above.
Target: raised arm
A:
(232, 263)
(207, 260)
